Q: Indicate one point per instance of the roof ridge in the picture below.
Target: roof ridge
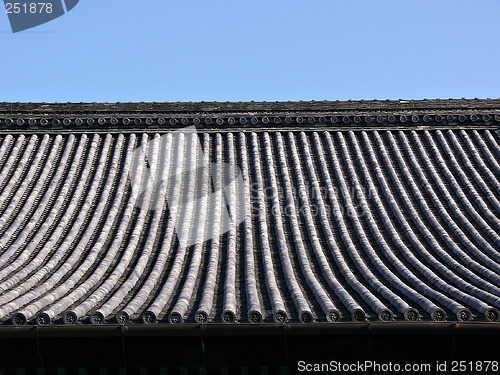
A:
(233, 115)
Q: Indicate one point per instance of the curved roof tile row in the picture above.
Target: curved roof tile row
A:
(250, 227)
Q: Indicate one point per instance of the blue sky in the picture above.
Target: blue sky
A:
(161, 50)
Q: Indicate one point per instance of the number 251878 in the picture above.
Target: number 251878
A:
(27, 8)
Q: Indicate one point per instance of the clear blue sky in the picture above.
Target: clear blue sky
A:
(162, 50)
